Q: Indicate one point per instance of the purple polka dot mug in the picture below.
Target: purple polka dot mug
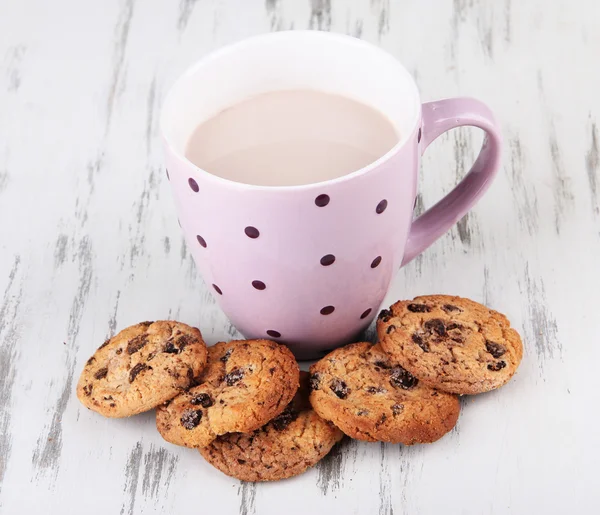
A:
(310, 265)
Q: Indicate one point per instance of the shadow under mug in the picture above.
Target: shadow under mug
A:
(310, 265)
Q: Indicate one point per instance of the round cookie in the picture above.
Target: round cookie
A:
(245, 384)
(287, 446)
(141, 367)
(451, 343)
(370, 397)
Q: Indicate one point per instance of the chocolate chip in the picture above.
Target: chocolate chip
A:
(385, 315)
(136, 344)
(101, 374)
(374, 389)
(453, 325)
(339, 387)
(87, 389)
(108, 398)
(494, 367)
(435, 325)
(397, 409)
(225, 356)
(183, 341)
(104, 344)
(118, 352)
(449, 308)
(495, 349)
(202, 399)
(458, 339)
(140, 367)
(382, 364)
(280, 422)
(150, 356)
(90, 361)
(401, 378)
(390, 329)
(420, 342)
(381, 420)
(241, 461)
(234, 376)
(362, 412)
(314, 382)
(112, 404)
(418, 308)
(170, 348)
(272, 370)
(191, 418)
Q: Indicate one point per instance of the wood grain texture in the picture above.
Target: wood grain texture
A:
(89, 243)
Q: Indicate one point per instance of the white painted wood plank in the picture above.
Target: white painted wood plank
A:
(89, 243)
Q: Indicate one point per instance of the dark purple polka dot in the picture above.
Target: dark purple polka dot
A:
(217, 289)
(375, 262)
(252, 232)
(419, 136)
(322, 200)
(193, 184)
(167, 170)
(327, 260)
(381, 207)
(201, 240)
(327, 310)
(259, 285)
(274, 334)
(365, 313)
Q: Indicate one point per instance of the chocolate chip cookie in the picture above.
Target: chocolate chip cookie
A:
(245, 384)
(450, 343)
(287, 446)
(141, 367)
(369, 396)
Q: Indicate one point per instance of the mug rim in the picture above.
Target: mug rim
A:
(232, 47)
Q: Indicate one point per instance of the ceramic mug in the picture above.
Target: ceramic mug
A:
(310, 265)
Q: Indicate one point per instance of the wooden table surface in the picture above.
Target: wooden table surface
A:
(89, 243)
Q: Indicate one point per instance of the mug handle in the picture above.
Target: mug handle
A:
(438, 117)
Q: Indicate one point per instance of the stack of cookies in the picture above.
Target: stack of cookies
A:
(253, 415)
(243, 404)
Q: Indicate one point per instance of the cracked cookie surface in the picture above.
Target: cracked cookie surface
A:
(141, 367)
(245, 384)
(371, 397)
(288, 445)
(451, 343)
